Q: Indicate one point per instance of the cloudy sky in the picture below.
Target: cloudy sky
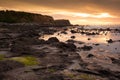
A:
(77, 11)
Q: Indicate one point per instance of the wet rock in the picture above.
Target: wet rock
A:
(86, 48)
(27, 41)
(89, 38)
(115, 61)
(73, 31)
(67, 46)
(96, 44)
(41, 41)
(93, 33)
(104, 72)
(64, 32)
(52, 39)
(21, 74)
(90, 56)
(87, 33)
(108, 29)
(73, 37)
(71, 41)
(30, 33)
(54, 77)
(20, 48)
(110, 41)
(9, 65)
(40, 54)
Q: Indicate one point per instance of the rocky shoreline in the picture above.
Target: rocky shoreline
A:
(24, 56)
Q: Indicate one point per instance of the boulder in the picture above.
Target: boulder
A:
(67, 46)
(90, 56)
(73, 37)
(110, 41)
(86, 48)
(73, 31)
(52, 40)
(64, 32)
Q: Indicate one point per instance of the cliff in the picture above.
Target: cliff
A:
(62, 22)
(25, 17)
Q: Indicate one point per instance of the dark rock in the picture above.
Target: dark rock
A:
(52, 40)
(89, 38)
(90, 56)
(25, 73)
(86, 48)
(73, 31)
(108, 29)
(2, 76)
(73, 37)
(67, 46)
(64, 32)
(96, 44)
(40, 54)
(57, 67)
(93, 33)
(71, 41)
(30, 33)
(62, 22)
(104, 72)
(54, 77)
(115, 61)
(20, 48)
(9, 65)
(110, 41)
(65, 29)
(41, 41)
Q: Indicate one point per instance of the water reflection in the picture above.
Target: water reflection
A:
(97, 37)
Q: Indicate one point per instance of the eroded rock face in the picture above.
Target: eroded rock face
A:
(62, 22)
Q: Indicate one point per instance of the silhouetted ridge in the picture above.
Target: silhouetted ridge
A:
(25, 17)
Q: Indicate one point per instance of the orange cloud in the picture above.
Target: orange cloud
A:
(77, 11)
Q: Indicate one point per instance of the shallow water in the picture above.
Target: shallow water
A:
(101, 39)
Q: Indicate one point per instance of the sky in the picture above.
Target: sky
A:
(77, 11)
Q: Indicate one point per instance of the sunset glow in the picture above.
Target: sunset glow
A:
(78, 12)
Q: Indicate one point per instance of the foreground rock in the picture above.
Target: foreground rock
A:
(66, 46)
(86, 48)
(8, 65)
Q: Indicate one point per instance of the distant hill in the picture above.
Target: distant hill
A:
(25, 17)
